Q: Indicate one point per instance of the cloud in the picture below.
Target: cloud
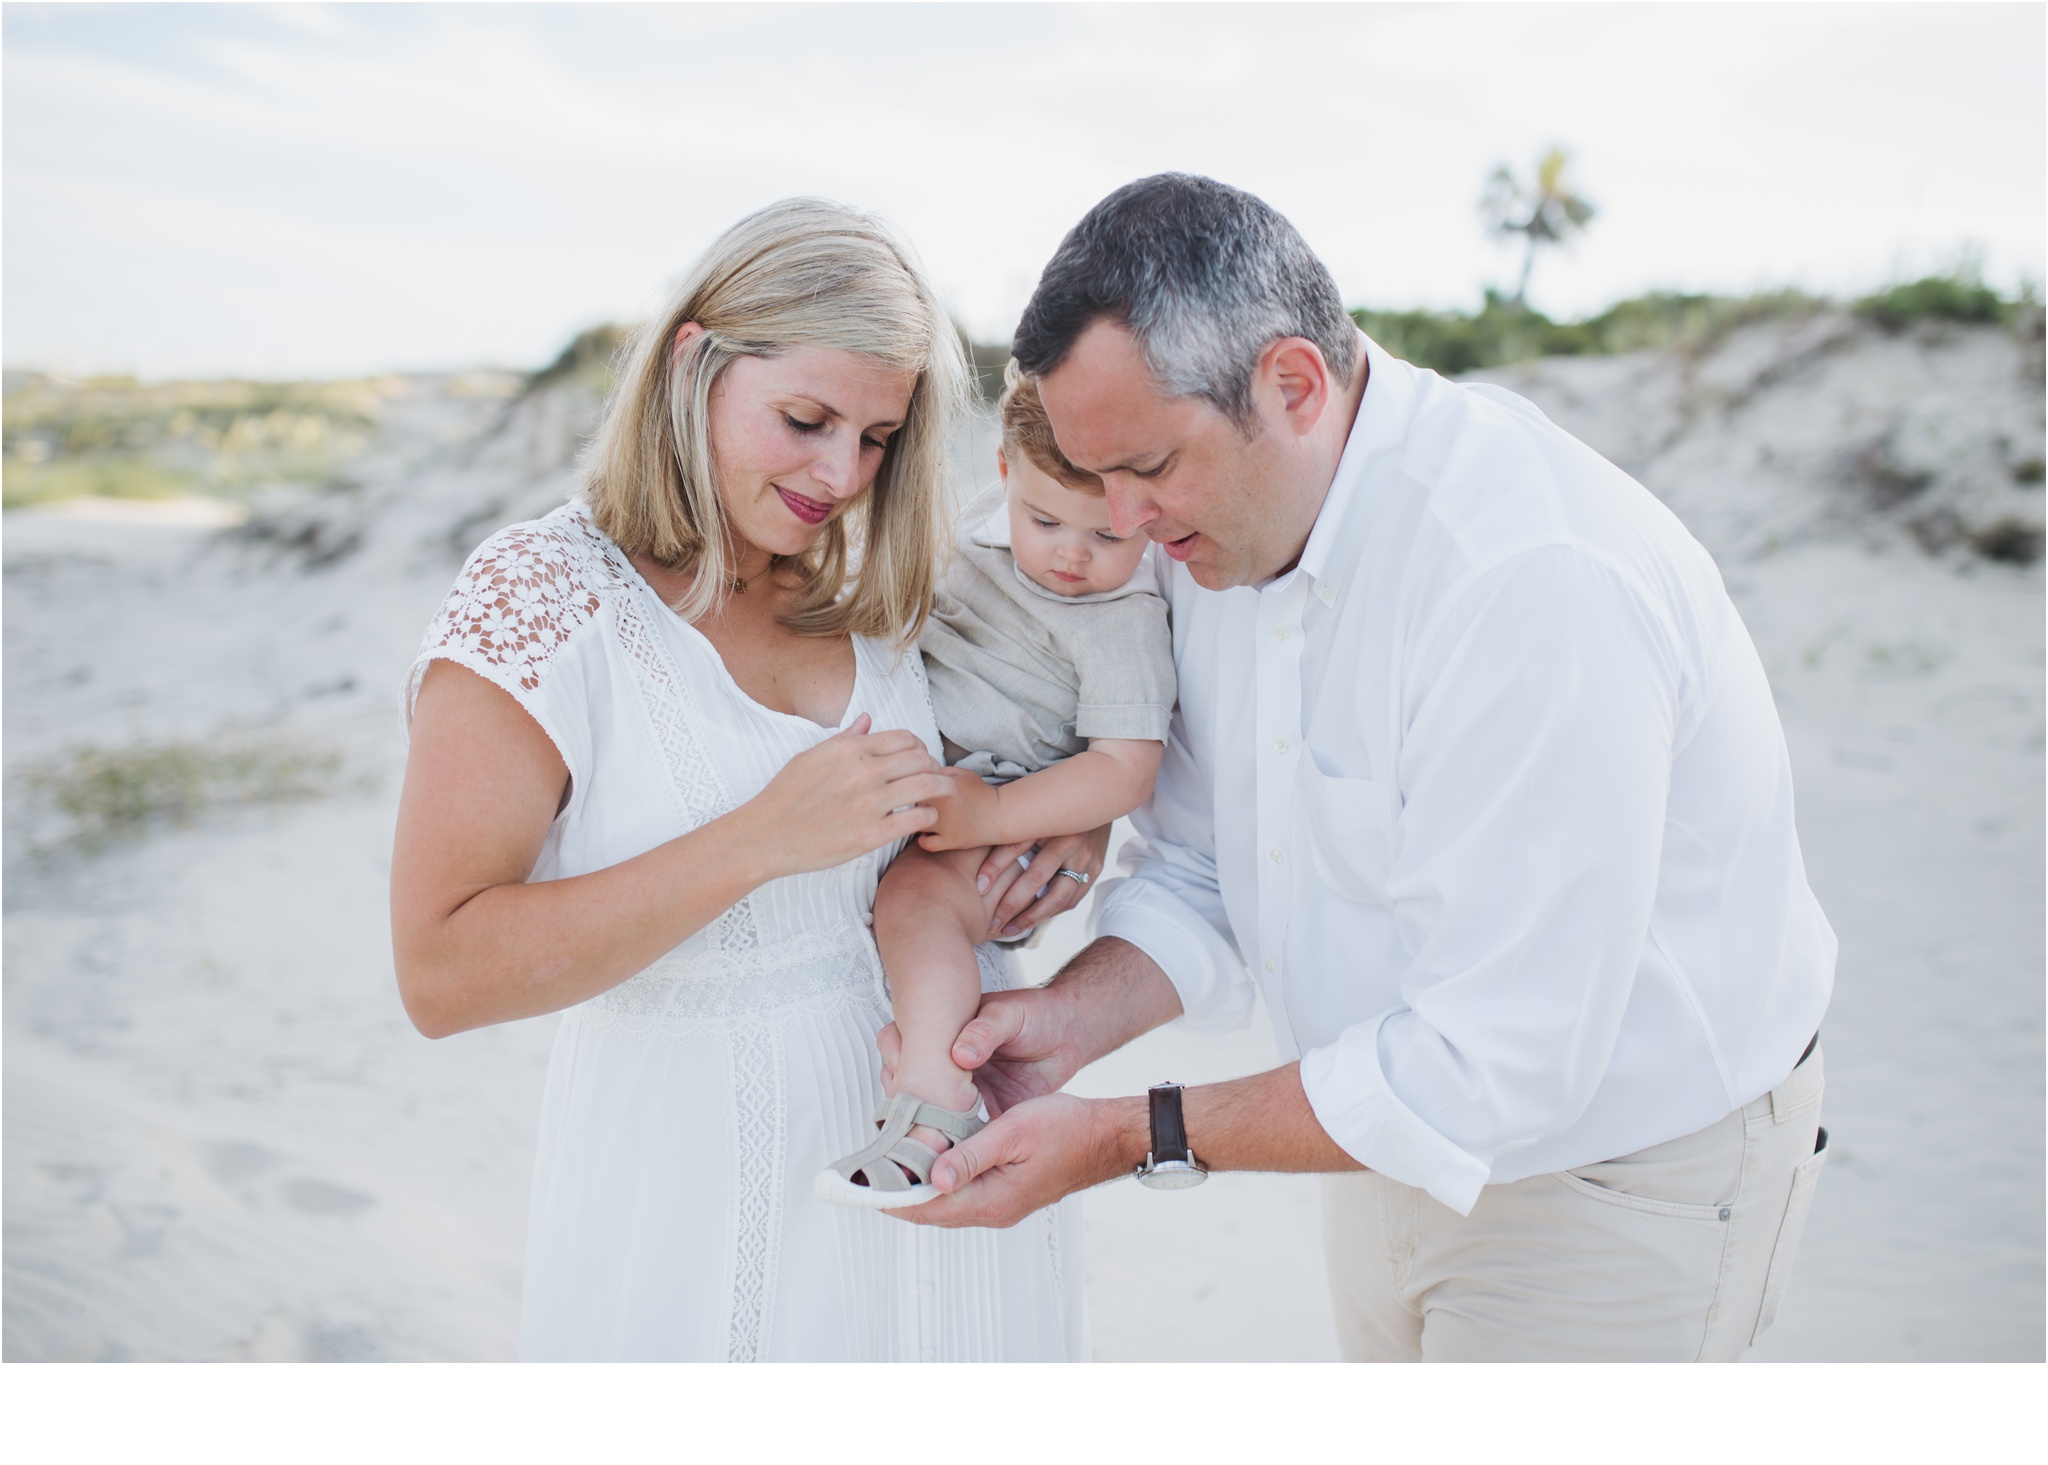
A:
(327, 189)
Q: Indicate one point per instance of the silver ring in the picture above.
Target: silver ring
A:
(1076, 876)
(1023, 862)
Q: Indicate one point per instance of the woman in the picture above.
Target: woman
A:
(663, 742)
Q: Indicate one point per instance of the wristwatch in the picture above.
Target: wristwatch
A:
(1171, 1165)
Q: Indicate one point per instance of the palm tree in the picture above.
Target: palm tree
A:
(1546, 213)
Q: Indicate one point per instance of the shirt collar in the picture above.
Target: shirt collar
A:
(988, 518)
(1379, 427)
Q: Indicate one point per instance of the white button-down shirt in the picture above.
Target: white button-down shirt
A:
(1490, 797)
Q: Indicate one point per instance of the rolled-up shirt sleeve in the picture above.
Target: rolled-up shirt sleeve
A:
(1540, 721)
(1170, 905)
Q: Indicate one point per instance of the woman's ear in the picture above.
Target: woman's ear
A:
(1002, 468)
(684, 332)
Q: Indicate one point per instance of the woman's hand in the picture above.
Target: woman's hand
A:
(1041, 892)
(474, 943)
(847, 797)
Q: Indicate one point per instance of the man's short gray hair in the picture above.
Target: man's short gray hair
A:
(1204, 276)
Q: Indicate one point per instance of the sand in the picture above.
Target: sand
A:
(223, 1140)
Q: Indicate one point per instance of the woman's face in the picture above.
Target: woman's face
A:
(795, 438)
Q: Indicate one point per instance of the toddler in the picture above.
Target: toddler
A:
(1051, 673)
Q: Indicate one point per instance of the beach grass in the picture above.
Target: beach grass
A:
(117, 437)
(1502, 333)
(591, 358)
(116, 477)
(107, 792)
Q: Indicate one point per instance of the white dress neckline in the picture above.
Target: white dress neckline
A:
(639, 583)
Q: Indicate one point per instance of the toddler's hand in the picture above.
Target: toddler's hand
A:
(964, 821)
(848, 795)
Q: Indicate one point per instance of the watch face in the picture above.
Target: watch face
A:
(1173, 1175)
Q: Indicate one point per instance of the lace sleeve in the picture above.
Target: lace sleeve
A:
(520, 598)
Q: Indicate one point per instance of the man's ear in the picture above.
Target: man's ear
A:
(1002, 466)
(684, 333)
(1293, 368)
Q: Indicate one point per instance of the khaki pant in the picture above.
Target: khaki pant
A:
(1680, 1251)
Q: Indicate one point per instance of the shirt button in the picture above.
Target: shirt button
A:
(1277, 856)
(925, 1288)
(1279, 633)
(1270, 966)
(1280, 745)
(1325, 594)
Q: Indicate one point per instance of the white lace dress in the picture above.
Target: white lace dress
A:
(689, 1108)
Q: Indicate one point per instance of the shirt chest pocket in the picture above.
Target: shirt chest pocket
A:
(1350, 827)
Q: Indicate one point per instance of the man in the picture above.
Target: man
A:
(1477, 774)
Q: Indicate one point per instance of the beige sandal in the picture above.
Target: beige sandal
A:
(872, 1178)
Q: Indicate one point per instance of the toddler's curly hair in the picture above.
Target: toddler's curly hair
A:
(1027, 430)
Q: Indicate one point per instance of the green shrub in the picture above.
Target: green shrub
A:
(1664, 320)
(120, 438)
(1454, 343)
(109, 791)
(1501, 332)
(1959, 296)
(590, 359)
(28, 482)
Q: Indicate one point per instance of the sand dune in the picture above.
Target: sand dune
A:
(223, 1140)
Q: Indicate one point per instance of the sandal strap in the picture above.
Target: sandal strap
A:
(892, 1151)
(915, 1156)
(955, 1124)
(876, 1159)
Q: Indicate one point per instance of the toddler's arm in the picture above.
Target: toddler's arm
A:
(1111, 778)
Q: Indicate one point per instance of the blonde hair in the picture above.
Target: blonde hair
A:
(1027, 430)
(803, 272)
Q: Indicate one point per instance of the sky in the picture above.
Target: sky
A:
(335, 190)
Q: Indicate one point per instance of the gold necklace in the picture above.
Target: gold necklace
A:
(739, 586)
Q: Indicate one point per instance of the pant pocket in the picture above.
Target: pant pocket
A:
(1797, 1206)
(1646, 1205)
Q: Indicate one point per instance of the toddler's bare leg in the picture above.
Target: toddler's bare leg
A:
(928, 917)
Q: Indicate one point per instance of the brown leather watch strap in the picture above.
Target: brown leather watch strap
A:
(1169, 1127)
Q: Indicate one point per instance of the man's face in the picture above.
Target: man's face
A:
(1175, 468)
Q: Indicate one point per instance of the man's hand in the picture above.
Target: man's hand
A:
(1037, 1152)
(1044, 1148)
(1043, 892)
(1029, 1042)
(1021, 1046)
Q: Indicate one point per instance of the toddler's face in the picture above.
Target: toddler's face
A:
(1060, 537)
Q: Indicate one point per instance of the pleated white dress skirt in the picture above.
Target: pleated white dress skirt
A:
(673, 1214)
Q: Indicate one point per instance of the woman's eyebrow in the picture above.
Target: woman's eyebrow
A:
(818, 402)
(833, 412)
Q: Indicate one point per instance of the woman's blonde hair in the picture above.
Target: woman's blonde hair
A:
(803, 272)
